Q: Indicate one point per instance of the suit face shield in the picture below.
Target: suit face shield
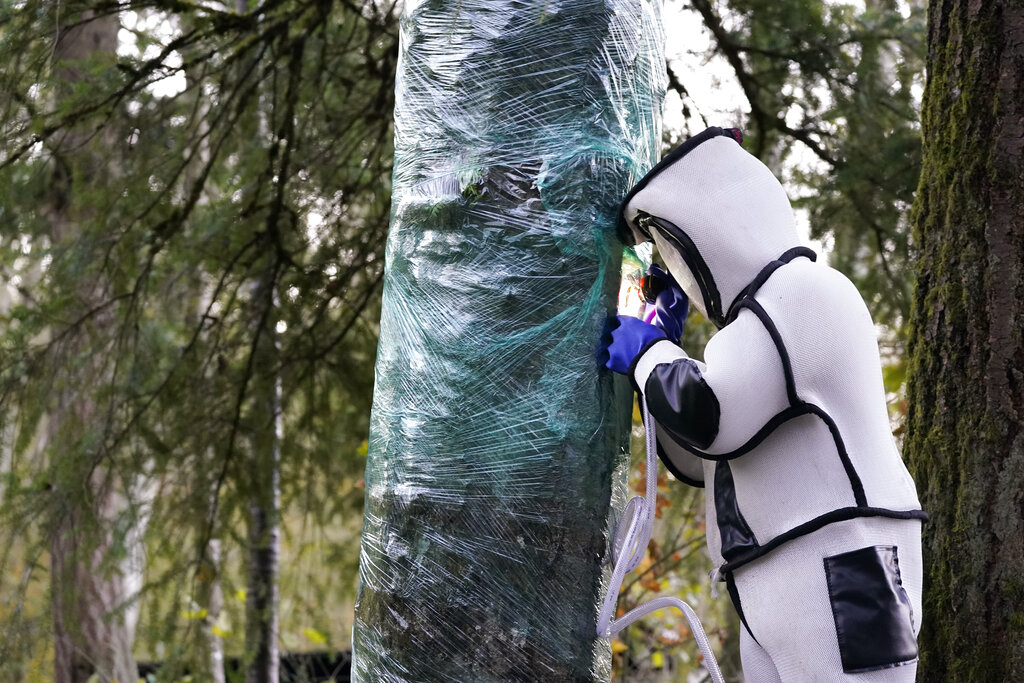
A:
(680, 271)
(684, 261)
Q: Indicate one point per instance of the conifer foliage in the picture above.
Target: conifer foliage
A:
(226, 172)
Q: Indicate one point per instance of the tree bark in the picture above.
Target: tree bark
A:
(495, 434)
(965, 444)
(210, 597)
(93, 617)
(208, 660)
(261, 602)
(261, 416)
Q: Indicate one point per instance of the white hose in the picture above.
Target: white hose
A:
(629, 545)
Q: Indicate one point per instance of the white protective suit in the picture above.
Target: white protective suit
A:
(813, 521)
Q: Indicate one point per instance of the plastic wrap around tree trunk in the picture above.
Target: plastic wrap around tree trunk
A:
(497, 439)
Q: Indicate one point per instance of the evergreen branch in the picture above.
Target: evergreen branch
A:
(752, 89)
(675, 84)
(320, 354)
(190, 345)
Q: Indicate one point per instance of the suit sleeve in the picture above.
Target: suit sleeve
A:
(714, 408)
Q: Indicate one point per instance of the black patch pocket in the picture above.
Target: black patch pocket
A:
(874, 620)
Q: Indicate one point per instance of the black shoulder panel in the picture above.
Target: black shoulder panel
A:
(682, 402)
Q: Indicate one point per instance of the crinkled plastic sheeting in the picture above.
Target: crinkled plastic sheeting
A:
(496, 438)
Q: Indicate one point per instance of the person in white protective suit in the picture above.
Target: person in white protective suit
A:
(813, 521)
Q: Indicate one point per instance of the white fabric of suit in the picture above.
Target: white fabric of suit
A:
(802, 442)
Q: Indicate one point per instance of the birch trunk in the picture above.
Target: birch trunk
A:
(261, 604)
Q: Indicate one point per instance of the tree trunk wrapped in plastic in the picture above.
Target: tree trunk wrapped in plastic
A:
(497, 439)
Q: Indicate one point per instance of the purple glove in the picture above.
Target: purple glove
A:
(671, 304)
(629, 337)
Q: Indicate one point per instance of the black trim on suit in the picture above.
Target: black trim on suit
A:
(762, 277)
(734, 595)
(694, 261)
(830, 517)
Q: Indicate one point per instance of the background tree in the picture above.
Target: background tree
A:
(94, 564)
(201, 210)
(965, 442)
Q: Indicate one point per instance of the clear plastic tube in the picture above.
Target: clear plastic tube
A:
(631, 539)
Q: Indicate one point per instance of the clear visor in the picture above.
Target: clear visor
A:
(680, 271)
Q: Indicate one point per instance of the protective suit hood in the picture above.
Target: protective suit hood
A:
(717, 215)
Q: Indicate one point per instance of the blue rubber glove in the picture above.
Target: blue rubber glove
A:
(672, 305)
(629, 337)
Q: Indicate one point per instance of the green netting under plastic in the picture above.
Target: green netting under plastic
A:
(497, 441)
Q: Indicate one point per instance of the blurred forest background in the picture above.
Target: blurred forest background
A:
(194, 199)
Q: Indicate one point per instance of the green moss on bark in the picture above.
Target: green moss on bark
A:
(965, 444)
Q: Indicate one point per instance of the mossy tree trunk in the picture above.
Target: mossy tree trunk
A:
(965, 442)
(96, 537)
(496, 435)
